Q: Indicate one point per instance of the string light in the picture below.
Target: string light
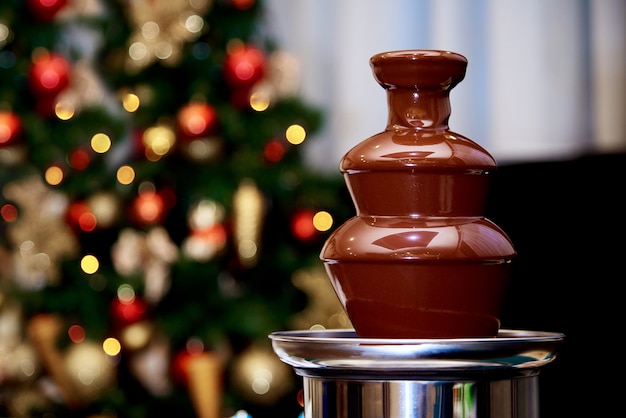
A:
(89, 264)
(100, 143)
(130, 102)
(53, 175)
(322, 221)
(111, 346)
(64, 110)
(295, 134)
(125, 175)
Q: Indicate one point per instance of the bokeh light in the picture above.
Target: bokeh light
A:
(8, 212)
(259, 101)
(322, 221)
(100, 143)
(130, 102)
(125, 175)
(111, 346)
(76, 333)
(295, 134)
(64, 110)
(89, 264)
(54, 175)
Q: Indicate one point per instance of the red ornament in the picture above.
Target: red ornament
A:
(196, 120)
(49, 75)
(182, 360)
(244, 66)
(46, 10)
(148, 208)
(79, 159)
(242, 4)
(127, 312)
(302, 225)
(10, 128)
(274, 150)
(80, 216)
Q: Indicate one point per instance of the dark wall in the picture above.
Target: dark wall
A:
(567, 220)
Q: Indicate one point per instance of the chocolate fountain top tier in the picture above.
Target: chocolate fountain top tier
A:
(417, 166)
(418, 85)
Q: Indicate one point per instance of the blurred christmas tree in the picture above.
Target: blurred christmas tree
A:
(157, 218)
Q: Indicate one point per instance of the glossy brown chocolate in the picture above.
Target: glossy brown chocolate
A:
(419, 259)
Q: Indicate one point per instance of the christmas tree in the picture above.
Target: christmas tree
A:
(158, 219)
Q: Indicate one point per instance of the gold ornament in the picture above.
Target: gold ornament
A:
(205, 384)
(249, 210)
(149, 254)
(90, 370)
(40, 236)
(260, 376)
(159, 29)
(323, 311)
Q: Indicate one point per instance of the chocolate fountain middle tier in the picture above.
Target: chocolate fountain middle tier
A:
(419, 259)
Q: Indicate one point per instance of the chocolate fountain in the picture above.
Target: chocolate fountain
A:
(420, 272)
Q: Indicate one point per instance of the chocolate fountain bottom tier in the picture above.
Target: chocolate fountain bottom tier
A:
(421, 299)
(347, 376)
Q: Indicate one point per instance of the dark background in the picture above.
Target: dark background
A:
(567, 222)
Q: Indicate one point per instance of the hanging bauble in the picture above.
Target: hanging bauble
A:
(79, 159)
(90, 370)
(244, 66)
(49, 75)
(180, 363)
(127, 312)
(196, 120)
(302, 225)
(148, 208)
(80, 217)
(10, 128)
(274, 150)
(46, 10)
(242, 4)
(260, 376)
(249, 211)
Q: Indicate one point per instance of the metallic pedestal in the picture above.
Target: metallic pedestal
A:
(349, 377)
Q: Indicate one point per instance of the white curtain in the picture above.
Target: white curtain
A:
(546, 78)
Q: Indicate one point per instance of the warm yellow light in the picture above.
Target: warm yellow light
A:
(64, 110)
(89, 264)
(125, 174)
(100, 143)
(53, 175)
(322, 221)
(295, 134)
(259, 101)
(159, 139)
(130, 102)
(111, 346)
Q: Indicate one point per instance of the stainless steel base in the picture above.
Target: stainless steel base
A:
(349, 377)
